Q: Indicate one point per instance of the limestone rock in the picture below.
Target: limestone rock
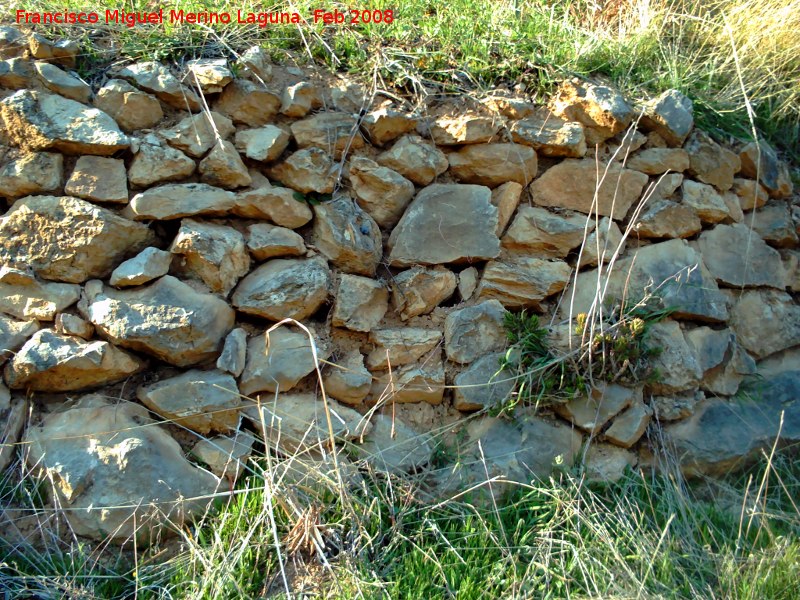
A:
(17, 73)
(62, 83)
(394, 447)
(349, 97)
(151, 263)
(493, 164)
(446, 223)
(664, 187)
(197, 134)
(63, 52)
(593, 411)
(248, 103)
(723, 361)
(415, 159)
(176, 200)
(667, 219)
(67, 324)
(545, 234)
(710, 162)
(483, 384)
(99, 179)
(551, 136)
(234, 352)
(677, 362)
(759, 160)
(791, 265)
(349, 382)
(750, 193)
(223, 167)
(607, 464)
(602, 244)
(12, 415)
(74, 240)
(32, 173)
(601, 109)
(157, 163)
(25, 297)
(307, 170)
(266, 241)
(284, 288)
(214, 254)
(155, 78)
(464, 129)
(264, 144)
(299, 99)
(380, 191)
(766, 321)
(467, 282)
(629, 426)
(211, 75)
(202, 401)
(518, 280)
(13, 334)
(12, 43)
(671, 116)
(168, 320)
(413, 383)
(655, 161)
(40, 121)
(419, 290)
(131, 108)
(119, 473)
(737, 257)
(675, 406)
(255, 64)
(506, 198)
(573, 184)
(335, 133)
(384, 125)
(347, 236)
(471, 332)
(277, 204)
(226, 457)
(774, 224)
(395, 347)
(706, 202)
(360, 303)
(49, 362)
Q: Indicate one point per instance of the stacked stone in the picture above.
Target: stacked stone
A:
(163, 228)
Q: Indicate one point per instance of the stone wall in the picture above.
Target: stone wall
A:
(161, 226)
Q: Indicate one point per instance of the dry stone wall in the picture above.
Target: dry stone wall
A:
(160, 228)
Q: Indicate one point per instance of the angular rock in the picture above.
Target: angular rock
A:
(62, 83)
(607, 464)
(483, 384)
(223, 167)
(506, 198)
(737, 257)
(264, 144)
(550, 136)
(706, 202)
(17, 73)
(157, 163)
(168, 320)
(467, 282)
(349, 97)
(131, 108)
(49, 362)
(380, 191)
(709, 162)
(446, 223)
(266, 241)
(197, 134)
(759, 161)
(384, 125)
(151, 263)
(493, 164)
(255, 64)
(99, 179)
(573, 184)
(394, 447)
(63, 52)
(664, 187)
(67, 324)
(471, 332)
(176, 200)
(655, 161)
(284, 288)
(226, 457)
(31, 173)
(415, 159)
(350, 383)
(277, 204)
(347, 236)
(677, 364)
(517, 280)
(791, 265)
(775, 226)
(545, 234)
(723, 361)
(12, 416)
(24, 297)
(12, 43)
(13, 334)
(629, 426)
(211, 75)
(39, 121)
(601, 109)
(155, 78)
(676, 406)
(202, 401)
(395, 347)
(412, 383)
(667, 219)
(750, 193)
(234, 352)
(307, 170)
(360, 303)
(593, 411)
(248, 103)
(335, 133)
(464, 129)
(670, 115)
(299, 99)
(602, 244)
(419, 290)
(119, 473)
(766, 322)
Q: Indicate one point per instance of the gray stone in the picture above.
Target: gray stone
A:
(709, 162)
(348, 381)
(25, 297)
(335, 133)
(360, 303)
(412, 383)
(264, 144)
(669, 115)
(211, 75)
(737, 257)
(381, 192)
(603, 244)
(176, 200)
(151, 263)
(307, 170)
(493, 164)
(759, 161)
(766, 321)
(415, 159)
(62, 83)
(471, 332)
(550, 136)
(593, 411)
(483, 384)
(155, 78)
(13, 413)
(226, 457)
(234, 352)
(31, 173)
(265, 241)
(606, 463)
(519, 281)
(394, 447)
(197, 134)
(347, 236)
(67, 324)
(419, 290)
(630, 425)
(401, 346)
(677, 363)
(13, 334)
(775, 226)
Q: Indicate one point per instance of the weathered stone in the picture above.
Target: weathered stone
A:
(750, 193)
(211, 75)
(467, 283)
(446, 223)
(155, 78)
(12, 43)
(74, 240)
(13, 413)
(347, 236)
(360, 303)
(736, 257)
(759, 161)
(667, 219)
(419, 290)
(62, 83)
(493, 164)
(483, 384)
(412, 384)
(335, 133)
(593, 411)
(119, 473)
(791, 266)
(168, 320)
(464, 129)
(39, 121)
(673, 267)
(669, 115)
(710, 162)
(384, 125)
(299, 99)
(223, 167)
(394, 447)
(307, 170)
(234, 352)
(735, 214)
(197, 134)
(706, 202)
(17, 74)
(248, 103)
(349, 97)
(471, 332)
(348, 381)
(629, 426)
(402, 346)
(99, 179)
(176, 200)
(13, 334)
(24, 297)
(677, 363)
(151, 263)
(31, 173)
(284, 288)
(676, 406)
(517, 280)
(664, 187)
(67, 324)
(506, 198)
(621, 146)
(214, 254)
(63, 52)
(381, 192)
(601, 109)
(49, 362)
(157, 163)
(766, 321)
(545, 234)
(655, 161)
(723, 361)
(774, 224)
(277, 361)
(226, 457)
(602, 244)
(202, 401)
(131, 108)
(607, 464)
(415, 159)
(264, 144)
(550, 136)
(509, 106)
(277, 204)
(266, 241)
(573, 184)
(255, 64)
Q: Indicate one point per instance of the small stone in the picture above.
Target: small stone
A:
(12, 43)
(63, 52)
(266, 241)
(766, 322)
(99, 179)
(17, 74)
(471, 332)
(591, 412)
(493, 164)
(607, 464)
(24, 297)
(131, 108)
(255, 64)
(157, 163)
(705, 201)
(676, 406)
(775, 226)
(711, 163)
(176, 200)
(349, 97)
(791, 265)
(677, 362)
(551, 136)
(383, 193)
(248, 103)
(234, 352)
(360, 303)
(151, 263)
(419, 290)
(349, 381)
(545, 234)
(13, 414)
(629, 426)
(347, 236)
(384, 125)
(223, 167)
(604, 249)
(759, 161)
(601, 109)
(211, 75)
(415, 159)
(197, 134)
(483, 384)
(299, 99)
(402, 346)
(655, 161)
(307, 170)
(411, 384)
(506, 198)
(750, 193)
(518, 280)
(335, 133)
(393, 447)
(738, 258)
(464, 129)
(264, 144)
(32, 173)
(155, 78)
(277, 204)
(467, 282)
(667, 219)
(62, 83)
(664, 187)
(226, 457)
(67, 324)
(13, 334)
(723, 362)
(669, 115)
